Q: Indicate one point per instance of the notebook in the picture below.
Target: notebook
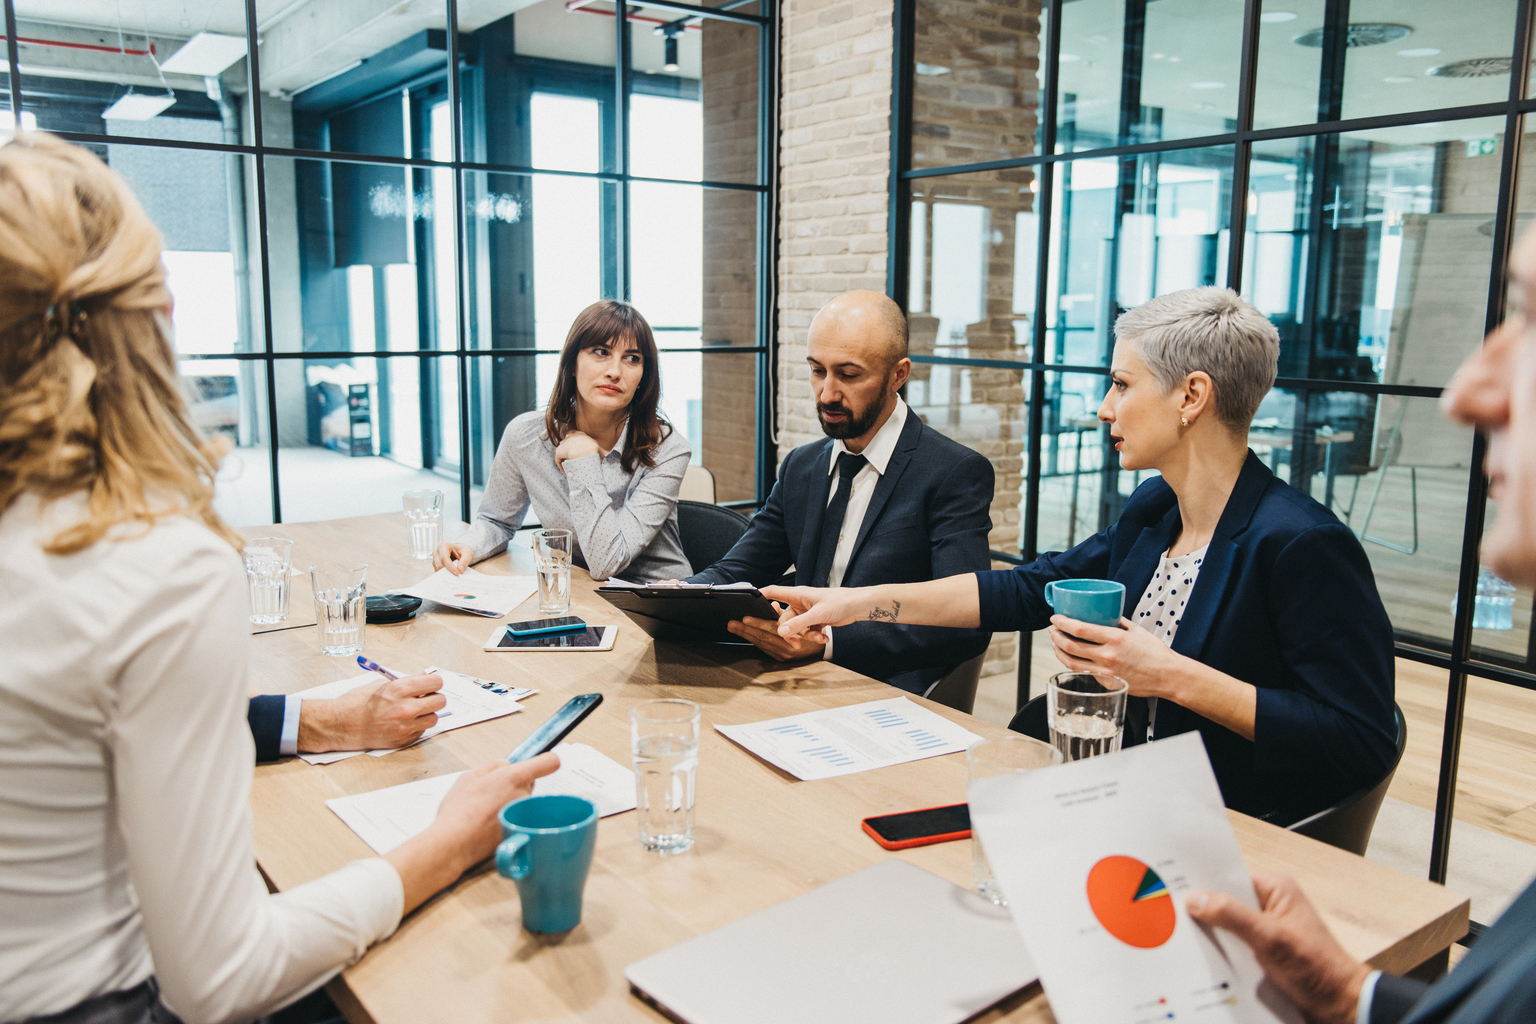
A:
(891, 943)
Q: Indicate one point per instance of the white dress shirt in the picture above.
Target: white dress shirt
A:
(878, 455)
(125, 778)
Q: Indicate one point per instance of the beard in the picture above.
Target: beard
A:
(853, 426)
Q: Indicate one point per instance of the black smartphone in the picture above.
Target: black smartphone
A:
(556, 727)
(920, 828)
(545, 627)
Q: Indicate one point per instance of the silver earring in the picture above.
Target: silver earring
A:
(1183, 421)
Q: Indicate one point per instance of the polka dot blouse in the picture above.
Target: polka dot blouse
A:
(1161, 608)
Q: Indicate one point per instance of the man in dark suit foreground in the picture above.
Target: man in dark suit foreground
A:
(885, 499)
(392, 713)
(1495, 983)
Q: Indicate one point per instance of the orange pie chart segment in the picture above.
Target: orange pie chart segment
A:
(1131, 902)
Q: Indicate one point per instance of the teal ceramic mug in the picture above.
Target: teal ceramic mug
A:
(1100, 602)
(547, 849)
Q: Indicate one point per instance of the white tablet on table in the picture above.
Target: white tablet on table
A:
(593, 638)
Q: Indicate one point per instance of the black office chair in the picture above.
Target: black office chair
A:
(708, 531)
(958, 689)
(1348, 823)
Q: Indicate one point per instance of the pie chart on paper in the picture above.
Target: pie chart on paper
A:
(1131, 901)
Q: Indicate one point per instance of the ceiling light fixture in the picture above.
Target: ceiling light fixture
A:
(1068, 58)
(1274, 17)
(1419, 51)
(1207, 85)
(205, 55)
(1477, 67)
(1363, 33)
(137, 107)
(669, 32)
(932, 70)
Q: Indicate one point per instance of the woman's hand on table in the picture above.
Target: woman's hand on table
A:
(453, 557)
(575, 446)
(465, 831)
(1147, 664)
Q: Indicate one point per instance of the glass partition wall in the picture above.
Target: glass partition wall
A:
(1356, 169)
(379, 229)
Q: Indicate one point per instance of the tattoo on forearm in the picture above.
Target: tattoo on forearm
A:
(878, 614)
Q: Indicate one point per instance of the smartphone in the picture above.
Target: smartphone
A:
(556, 727)
(920, 828)
(545, 627)
(593, 638)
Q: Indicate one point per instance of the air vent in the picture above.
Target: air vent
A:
(1365, 33)
(1477, 67)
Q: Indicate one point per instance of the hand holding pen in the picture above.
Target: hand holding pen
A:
(389, 714)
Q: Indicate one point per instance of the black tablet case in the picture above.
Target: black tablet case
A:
(689, 614)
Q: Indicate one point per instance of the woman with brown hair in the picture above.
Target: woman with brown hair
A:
(599, 461)
(128, 888)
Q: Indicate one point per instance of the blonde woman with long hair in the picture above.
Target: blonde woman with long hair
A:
(128, 888)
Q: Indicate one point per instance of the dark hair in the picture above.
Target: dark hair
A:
(604, 323)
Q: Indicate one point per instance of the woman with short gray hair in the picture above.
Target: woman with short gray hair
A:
(1251, 613)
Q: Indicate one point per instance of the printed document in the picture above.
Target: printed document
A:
(385, 818)
(470, 700)
(475, 592)
(842, 741)
(1095, 858)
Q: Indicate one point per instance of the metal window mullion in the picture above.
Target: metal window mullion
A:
(461, 313)
(13, 62)
(1242, 152)
(621, 140)
(898, 223)
(253, 76)
(768, 252)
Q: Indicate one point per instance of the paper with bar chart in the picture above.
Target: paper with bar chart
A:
(1095, 858)
(841, 741)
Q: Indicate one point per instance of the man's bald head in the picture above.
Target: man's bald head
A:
(868, 319)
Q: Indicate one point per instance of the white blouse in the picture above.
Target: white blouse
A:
(125, 777)
(1161, 608)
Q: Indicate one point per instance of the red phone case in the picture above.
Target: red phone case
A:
(907, 844)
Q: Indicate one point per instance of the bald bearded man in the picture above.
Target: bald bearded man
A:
(885, 499)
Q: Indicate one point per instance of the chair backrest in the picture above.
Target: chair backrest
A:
(958, 689)
(1030, 720)
(708, 531)
(698, 485)
(1348, 823)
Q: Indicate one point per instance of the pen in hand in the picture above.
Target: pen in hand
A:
(373, 666)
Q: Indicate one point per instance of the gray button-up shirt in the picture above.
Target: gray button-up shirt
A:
(622, 523)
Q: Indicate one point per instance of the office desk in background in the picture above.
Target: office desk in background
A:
(763, 836)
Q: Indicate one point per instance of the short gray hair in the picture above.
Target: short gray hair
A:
(1209, 329)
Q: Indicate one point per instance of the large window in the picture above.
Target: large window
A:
(1357, 170)
(380, 224)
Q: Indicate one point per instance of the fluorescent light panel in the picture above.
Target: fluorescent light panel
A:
(206, 54)
(137, 107)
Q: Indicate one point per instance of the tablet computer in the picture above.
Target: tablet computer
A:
(690, 614)
(593, 638)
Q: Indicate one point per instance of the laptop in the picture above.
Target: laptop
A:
(891, 943)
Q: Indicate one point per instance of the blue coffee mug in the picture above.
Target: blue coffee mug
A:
(1100, 602)
(547, 850)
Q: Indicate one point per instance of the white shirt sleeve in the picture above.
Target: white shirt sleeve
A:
(1367, 994)
(288, 740)
(182, 756)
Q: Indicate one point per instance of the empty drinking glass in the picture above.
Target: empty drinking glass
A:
(552, 558)
(664, 740)
(268, 566)
(341, 597)
(424, 516)
(1086, 713)
(1011, 755)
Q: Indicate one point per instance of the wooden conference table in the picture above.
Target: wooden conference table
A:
(762, 836)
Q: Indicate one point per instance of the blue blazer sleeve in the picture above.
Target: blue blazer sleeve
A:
(1015, 598)
(265, 717)
(959, 520)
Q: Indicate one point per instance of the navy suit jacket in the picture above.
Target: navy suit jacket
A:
(928, 518)
(1494, 984)
(1285, 600)
(265, 717)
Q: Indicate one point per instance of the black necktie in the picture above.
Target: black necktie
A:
(848, 466)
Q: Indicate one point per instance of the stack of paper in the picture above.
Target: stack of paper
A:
(385, 818)
(475, 592)
(841, 741)
(1095, 858)
(470, 700)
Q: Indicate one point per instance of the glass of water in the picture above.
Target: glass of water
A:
(341, 599)
(268, 566)
(552, 557)
(1011, 755)
(1086, 713)
(424, 516)
(664, 740)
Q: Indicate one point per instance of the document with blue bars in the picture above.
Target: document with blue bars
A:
(842, 741)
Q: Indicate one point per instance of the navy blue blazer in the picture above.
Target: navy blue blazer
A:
(1285, 600)
(928, 518)
(1493, 984)
(265, 717)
